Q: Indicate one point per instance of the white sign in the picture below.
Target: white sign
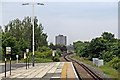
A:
(95, 60)
(8, 50)
(53, 53)
(100, 63)
(17, 56)
(27, 50)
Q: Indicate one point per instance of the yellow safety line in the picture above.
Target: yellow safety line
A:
(64, 72)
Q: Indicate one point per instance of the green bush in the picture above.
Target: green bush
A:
(43, 60)
(106, 55)
(115, 63)
(59, 52)
(43, 54)
(56, 58)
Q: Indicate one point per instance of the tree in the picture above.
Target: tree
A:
(78, 46)
(96, 46)
(107, 36)
(51, 44)
(9, 41)
(18, 35)
(105, 47)
(0, 42)
(107, 55)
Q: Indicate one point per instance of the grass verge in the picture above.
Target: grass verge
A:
(105, 68)
(38, 60)
(43, 60)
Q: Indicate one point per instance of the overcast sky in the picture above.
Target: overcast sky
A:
(76, 20)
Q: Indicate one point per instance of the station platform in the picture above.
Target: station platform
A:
(43, 71)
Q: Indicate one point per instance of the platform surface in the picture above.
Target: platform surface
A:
(46, 71)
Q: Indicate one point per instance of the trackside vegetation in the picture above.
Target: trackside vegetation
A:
(105, 47)
(106, 68)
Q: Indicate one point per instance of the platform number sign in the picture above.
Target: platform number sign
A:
(27, 50)
(8, 50)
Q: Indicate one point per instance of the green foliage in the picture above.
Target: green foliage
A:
(106, 56)
(56, 58)
(43, 49)
(51, 44)
(106, 68)
(58, 53)
(9, 41)
(118, 48)
(18, 36)
(115, 63)
(81, 48)
(105, 47)
(43, 60)
(96, 46)
(107, 36)
(43, 52)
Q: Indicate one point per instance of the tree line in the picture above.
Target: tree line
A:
(105, 47)
(18, 35)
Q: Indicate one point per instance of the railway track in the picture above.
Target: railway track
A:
(83, 72)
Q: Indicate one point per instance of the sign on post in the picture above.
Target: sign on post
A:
(27, 50)
(17, 57)
(8, 50)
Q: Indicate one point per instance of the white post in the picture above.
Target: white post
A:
(33, 34)
(17, 58)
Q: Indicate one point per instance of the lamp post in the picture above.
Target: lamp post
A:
(33, 4)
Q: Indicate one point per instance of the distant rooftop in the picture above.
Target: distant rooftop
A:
(60, 35)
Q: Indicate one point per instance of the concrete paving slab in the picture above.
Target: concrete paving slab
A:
(41, 71)
(54, 68)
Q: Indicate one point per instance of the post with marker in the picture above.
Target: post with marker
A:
(53, 54)
(8, 52)
(27, 52)
(17, 56)
(5, 64)
(25, 57)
